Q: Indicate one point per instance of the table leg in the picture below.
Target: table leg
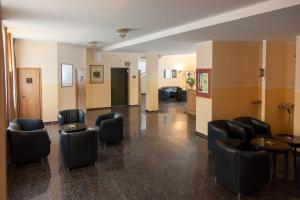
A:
(274, 164)
(286, 156)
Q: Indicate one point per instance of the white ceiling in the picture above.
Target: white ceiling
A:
(81, 21)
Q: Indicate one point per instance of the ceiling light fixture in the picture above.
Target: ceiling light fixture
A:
(94, 44)
(122, 32)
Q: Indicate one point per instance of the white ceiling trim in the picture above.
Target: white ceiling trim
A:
(248, 11)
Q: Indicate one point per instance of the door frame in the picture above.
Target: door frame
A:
(40, 88)
(128, 89)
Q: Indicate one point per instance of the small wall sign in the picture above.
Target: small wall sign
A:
(29, 80)
(203, 86)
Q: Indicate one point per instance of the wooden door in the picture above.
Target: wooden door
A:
(119, 86)
(81, 92)
(29, 93)
(139, 86)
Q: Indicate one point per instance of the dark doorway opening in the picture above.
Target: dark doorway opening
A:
(119, 86)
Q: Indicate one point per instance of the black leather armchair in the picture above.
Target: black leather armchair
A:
(225, 129)
(70, 116)
(241, 167)
(181, 95)
(164, 94)
(257, 127)
(79, 148)
(297, 173)
(28, 140)
(110, 127)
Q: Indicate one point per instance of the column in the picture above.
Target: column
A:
(152, 74)
(204, 105)
(297, 90)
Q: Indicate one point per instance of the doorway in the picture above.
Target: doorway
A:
(119, 86)
(30, 93)
(80, 89)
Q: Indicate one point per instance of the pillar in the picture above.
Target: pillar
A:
(152, 75)
(204, 105)
(297, 90)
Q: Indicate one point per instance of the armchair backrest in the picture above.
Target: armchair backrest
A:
(255, 126)
(71, 116)
(237, 131)
(21, 124)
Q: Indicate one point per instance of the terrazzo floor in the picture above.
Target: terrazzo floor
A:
(160, 158)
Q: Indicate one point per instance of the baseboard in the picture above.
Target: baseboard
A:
(105, 108)
(200, 135)
(149, 111)
(51, 123)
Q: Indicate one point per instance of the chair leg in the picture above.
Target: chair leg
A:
(216, 182)
(239, 196)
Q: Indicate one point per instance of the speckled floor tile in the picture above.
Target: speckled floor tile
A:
(160, 158)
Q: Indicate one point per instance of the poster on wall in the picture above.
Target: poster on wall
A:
(66, 75)
(174, 73)
(96, 74)
(203, 86)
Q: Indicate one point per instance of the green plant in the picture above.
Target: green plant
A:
(190, 81)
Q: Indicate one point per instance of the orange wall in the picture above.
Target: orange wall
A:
(235, 79)
(279, 77)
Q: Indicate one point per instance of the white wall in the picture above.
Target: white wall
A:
(41, 55)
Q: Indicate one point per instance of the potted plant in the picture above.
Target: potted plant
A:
(190, 82)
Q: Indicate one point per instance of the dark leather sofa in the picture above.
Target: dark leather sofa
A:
(240, 166)
(168, 92)
(79, 148)
(181, 95)
(110, 127)
(257, 127)
(70, 116)
(225, 129)
(28, 140)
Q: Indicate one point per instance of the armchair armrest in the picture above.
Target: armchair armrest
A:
(101, 118)
(261, 127)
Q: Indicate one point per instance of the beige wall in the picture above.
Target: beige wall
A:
(42, 55)
(99, 95)
(235, 79)
(297, 90)
(204, 105)
(183, 63)
(69, 54)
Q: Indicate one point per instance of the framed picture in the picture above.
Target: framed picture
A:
(174, 73)
(167, 73)
(97, 74)
(203, 87)
(66, 75)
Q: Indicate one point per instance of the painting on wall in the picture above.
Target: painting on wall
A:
(203, 82)
(174, 73)
(97, 74)
(66, 75)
